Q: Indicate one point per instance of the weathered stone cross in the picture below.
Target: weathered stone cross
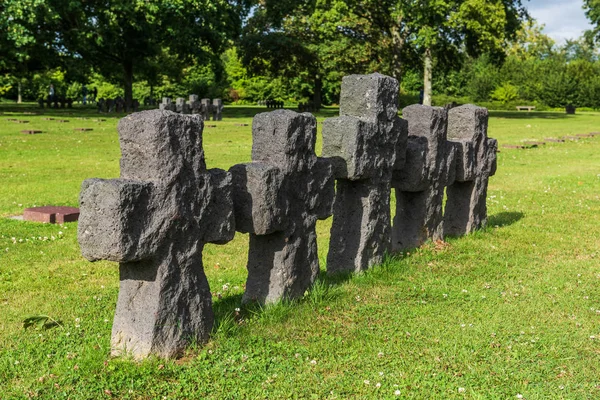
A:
(154, 221)
(278, 199)
(466, 209)
(362, 145)
(429, 167)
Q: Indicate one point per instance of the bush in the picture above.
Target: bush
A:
(505, 93)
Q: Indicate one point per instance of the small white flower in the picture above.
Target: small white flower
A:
(445, 295)
(465, 291)
(378, 385)
(237, 309)
(461, 390)
(367, 382)
(313, 362)
(397, 392)
(519, 396)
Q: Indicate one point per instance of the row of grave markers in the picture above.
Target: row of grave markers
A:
(195, 106)
(166, 205)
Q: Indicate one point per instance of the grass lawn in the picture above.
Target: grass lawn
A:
(510, 311)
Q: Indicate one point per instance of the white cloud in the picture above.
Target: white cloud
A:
(564, 19)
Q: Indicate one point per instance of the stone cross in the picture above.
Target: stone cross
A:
(217, 109)
(429, 168)
(195, 104)
(466, 209)
(362, 145)
(278, 198)
(154, 221)
(182, 106)
(167, 105)
(206, 109)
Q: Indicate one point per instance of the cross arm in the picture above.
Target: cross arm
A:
(112, 220)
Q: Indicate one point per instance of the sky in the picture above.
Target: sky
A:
(564, 19)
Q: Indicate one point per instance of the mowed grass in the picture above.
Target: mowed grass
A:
(511, 310)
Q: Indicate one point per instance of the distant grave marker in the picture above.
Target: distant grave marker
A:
(31, 131)
(83, 129)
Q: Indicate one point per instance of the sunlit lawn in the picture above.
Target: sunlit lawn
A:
(514, 309)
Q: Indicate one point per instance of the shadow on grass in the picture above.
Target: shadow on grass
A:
(528, 115)
(504, 219)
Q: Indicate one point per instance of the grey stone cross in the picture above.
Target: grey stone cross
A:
(362, 145)
(217, 109)
(278, 198)
(181, 106)
(167, 105)
(206, 109)
(466, 209)
(429, 168)
(195, 105)
(154, 221)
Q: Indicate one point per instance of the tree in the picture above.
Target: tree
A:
(309, 43)
(592, 11)
(120, 37)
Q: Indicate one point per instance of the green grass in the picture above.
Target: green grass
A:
(513, 309)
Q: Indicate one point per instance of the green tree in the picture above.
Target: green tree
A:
(120, 37)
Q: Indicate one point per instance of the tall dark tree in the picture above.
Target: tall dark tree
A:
(120, 37)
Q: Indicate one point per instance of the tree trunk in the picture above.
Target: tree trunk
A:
(317, 94)
(128, 82)
(19, 94)
(427, 77)
(397, 45)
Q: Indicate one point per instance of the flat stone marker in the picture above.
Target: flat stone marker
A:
(476, 161)
(595, 133)
(241, 124)
(278, 198)
(584, 135)
(48, 119)
(420, 183)
(361, 144)
(83, 129)
(513, 146)
(554, 140)
(571, 137)
(533, 144)
(154, 221)
(12, 119)
(210, 126)
(30, 131)
(62, 120)
(99, 120)
(51, 214)
(21, 122)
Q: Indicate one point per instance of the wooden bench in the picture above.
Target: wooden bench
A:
(525, 108)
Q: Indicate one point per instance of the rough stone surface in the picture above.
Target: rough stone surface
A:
(278, 199)
(363, 145)
(466, 209)
(51, 214)
(429, 167)
(154, 221)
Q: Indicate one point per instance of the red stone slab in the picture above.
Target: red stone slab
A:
(571, 137)
(51, 214)
(584, 135)
(241, 124)
(512, 146)
(30, 132)
(595, 133)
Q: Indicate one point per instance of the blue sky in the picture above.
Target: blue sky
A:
(564, 19)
